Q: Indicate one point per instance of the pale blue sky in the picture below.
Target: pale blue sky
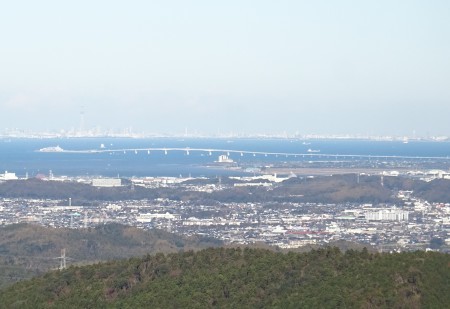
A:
(378, 67)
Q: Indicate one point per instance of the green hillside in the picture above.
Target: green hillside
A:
(27, 250)
(245, 278)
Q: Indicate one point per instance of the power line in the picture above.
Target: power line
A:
(26, 256)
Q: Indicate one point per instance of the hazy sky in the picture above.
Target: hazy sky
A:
(378, 67)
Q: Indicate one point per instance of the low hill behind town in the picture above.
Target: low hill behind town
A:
(323, 189)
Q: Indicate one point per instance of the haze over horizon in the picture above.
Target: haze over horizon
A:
(327, 67)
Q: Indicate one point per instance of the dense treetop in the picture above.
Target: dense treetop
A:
(242, 278)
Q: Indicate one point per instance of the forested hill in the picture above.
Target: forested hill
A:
(27, 250)
(243, 278)
(325, 189)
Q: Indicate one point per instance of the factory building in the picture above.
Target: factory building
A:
(8, 176)
(106, 182)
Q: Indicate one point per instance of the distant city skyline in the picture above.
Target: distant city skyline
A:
(131, 133)
(328, 67)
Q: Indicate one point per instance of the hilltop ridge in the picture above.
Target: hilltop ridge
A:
(236, 278)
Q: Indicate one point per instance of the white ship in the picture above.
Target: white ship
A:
(313, 150)
(51, 149)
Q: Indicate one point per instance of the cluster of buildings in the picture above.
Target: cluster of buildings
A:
(410, 226)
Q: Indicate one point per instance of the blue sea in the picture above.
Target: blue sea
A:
(21, 156)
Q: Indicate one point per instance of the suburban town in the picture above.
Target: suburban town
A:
(409, 225)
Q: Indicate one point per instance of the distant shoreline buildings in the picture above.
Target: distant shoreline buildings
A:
(10, 134)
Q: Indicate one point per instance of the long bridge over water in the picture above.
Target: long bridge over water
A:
(312, 154)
